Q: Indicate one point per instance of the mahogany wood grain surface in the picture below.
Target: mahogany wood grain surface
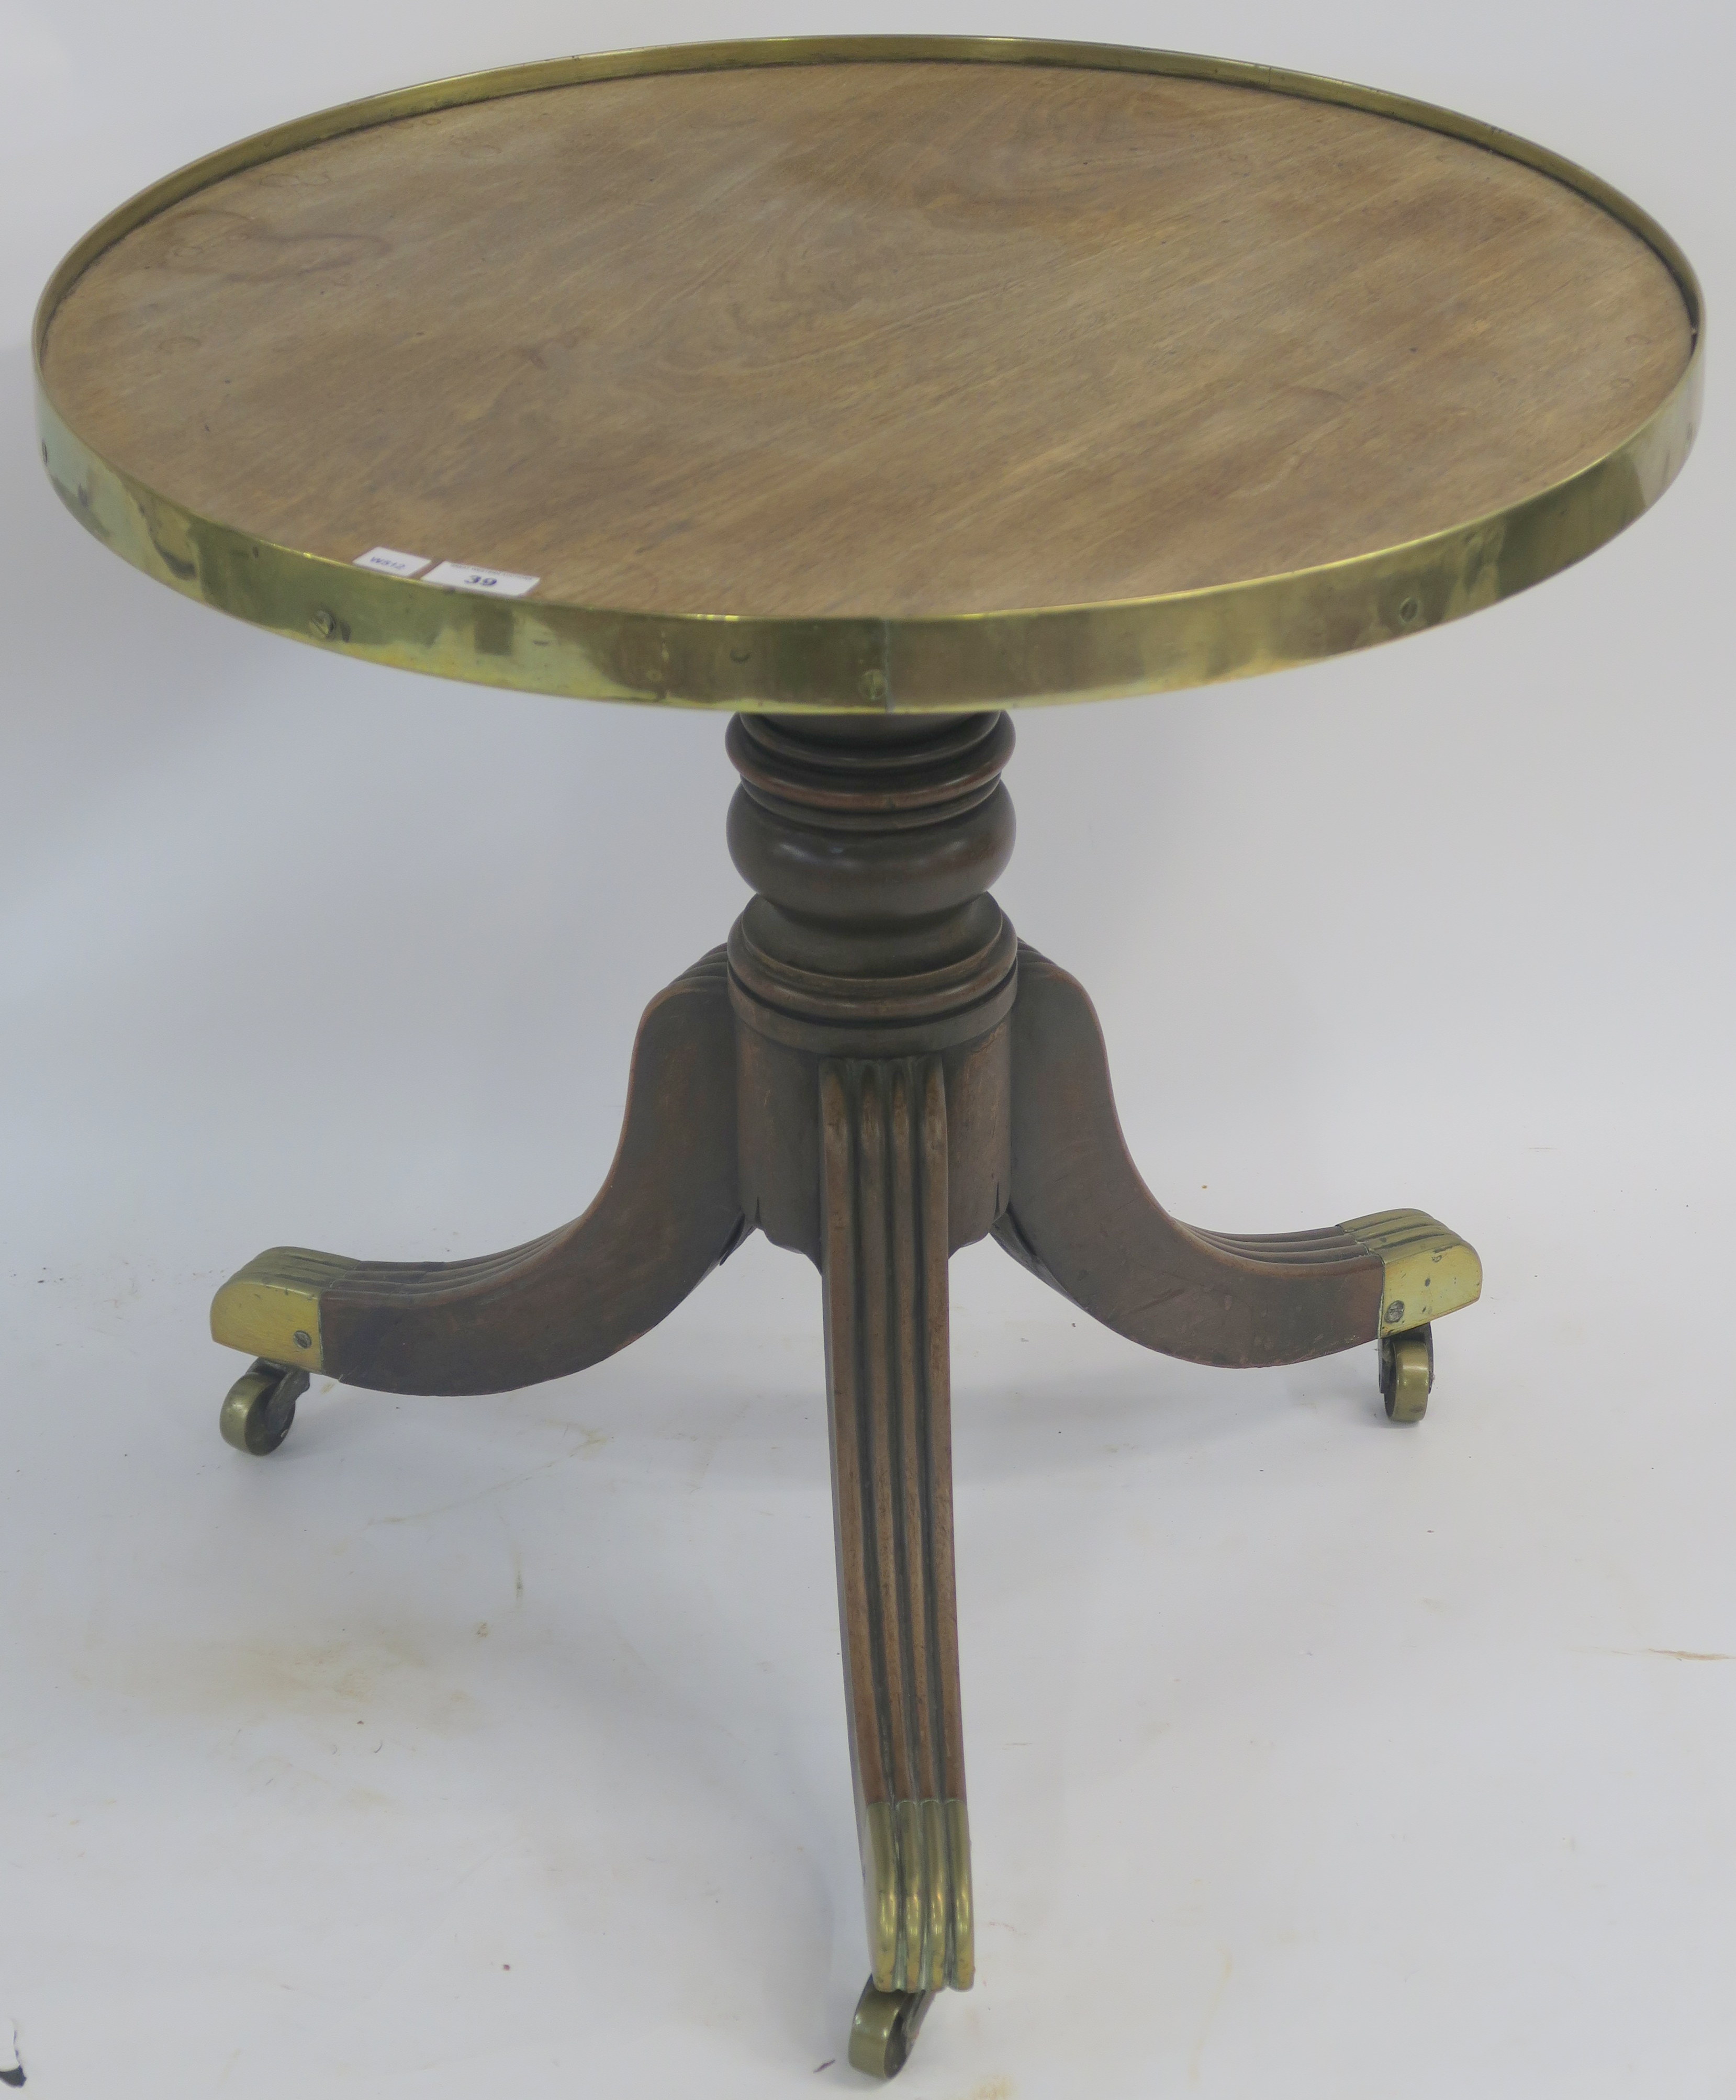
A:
(896, 339)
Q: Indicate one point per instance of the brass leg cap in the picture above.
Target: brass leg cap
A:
(884, 2030)
(1407, 1373)
(260, 1406)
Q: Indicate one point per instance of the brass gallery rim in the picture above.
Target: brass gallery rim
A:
(854, 663)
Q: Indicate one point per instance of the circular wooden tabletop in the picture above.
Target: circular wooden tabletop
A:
(909, 371)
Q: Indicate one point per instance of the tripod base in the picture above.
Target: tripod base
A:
(874, 1075)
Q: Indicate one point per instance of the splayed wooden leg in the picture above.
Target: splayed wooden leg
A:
(885, 1252)
(668, 1213)
(1081, 1217)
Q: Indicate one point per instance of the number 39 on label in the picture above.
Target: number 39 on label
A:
(498, 583)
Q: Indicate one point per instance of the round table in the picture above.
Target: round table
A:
(866, 388)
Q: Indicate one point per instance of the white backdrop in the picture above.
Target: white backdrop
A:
(498, 1745)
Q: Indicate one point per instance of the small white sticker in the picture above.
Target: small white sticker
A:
(501, 583)
(390, 562)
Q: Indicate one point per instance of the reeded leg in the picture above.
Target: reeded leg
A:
(885, 1246)
(1080, 1217)
(669, 1211)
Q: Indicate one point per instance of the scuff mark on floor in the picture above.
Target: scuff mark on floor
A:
(11, 2063)
(1212, 2004)
(594, 1440)
(1668, 1654)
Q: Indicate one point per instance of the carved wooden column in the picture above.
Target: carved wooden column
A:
(873, 978)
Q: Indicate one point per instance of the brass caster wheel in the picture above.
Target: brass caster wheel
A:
(1407, 1373)
(260, 1407)
(884, 2030)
